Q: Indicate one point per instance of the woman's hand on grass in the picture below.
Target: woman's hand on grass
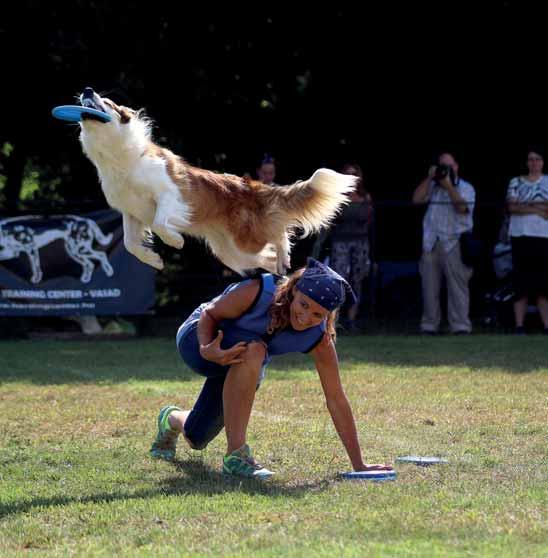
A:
(374, 467)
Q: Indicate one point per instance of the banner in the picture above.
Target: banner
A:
(70, 264)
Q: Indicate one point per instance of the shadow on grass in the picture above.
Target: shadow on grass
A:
(77, 362)
(203, 479)
(152, 359)
(478, 353)
(197, 478)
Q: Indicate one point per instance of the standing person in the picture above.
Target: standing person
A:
(266, 171)
(351, 237)
(527, 199)
(232, 339)
(450, 210)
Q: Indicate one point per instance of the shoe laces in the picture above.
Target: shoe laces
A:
(247, 457)
(250, 460)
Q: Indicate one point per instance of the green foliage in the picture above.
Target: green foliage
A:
(5, 152)
(31, 184)
(7, 148)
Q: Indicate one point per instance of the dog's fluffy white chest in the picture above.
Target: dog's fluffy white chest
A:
(134, 189)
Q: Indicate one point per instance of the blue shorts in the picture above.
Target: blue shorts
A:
(206, 418)
(189, 349)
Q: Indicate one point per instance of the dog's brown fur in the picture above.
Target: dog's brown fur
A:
(246, 223)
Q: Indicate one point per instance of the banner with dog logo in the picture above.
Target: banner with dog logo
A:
(70, 264)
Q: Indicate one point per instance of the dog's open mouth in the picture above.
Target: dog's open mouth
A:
(90, 99)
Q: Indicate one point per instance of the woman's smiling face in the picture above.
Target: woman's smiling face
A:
(304, 312)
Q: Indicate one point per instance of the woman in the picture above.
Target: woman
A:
(351, 242)
(231, 340)
(528, 207)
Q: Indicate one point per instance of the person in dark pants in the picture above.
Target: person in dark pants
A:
(527, 199)
(231, 340)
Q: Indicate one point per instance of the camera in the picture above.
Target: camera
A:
(442, 171)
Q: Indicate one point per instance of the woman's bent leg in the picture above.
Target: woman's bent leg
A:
(239, 393)
(202, 424)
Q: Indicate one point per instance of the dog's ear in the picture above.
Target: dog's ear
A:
(125, 114)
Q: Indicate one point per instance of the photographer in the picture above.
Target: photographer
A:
(450, 202)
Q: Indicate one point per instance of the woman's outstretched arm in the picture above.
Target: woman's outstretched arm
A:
(326, 361)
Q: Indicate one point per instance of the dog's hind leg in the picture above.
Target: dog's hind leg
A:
(226, 250)
(283, 249)
(170, 218)
(134, 232)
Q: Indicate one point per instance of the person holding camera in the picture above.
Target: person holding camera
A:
(450, 210)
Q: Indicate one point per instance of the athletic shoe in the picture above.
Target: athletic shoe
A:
(240, 463)
(165, 444)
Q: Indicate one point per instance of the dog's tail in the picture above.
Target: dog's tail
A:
(312, 204)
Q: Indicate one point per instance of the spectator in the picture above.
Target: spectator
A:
(527, 199)
(266, 172)
(351, 243)
(450, 202)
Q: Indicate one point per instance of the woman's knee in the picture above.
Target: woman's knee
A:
(199, 436)
(199, 444)
(255, 352)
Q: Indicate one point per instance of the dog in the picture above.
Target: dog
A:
(246, 224)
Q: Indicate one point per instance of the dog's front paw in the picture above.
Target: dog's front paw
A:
(169, 236)
(176, 240)
(151, 258)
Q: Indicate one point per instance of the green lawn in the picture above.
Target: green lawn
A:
(77, 419)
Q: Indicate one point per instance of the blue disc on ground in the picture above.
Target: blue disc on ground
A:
(369, 475)
(74, 113)
(423, 461)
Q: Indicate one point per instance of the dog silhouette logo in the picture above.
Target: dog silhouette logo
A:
(18, 236)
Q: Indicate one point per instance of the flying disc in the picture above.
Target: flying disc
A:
(422, 461)
(74, 113)
(369, 475)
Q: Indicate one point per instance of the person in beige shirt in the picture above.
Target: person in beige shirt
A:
(450, 210)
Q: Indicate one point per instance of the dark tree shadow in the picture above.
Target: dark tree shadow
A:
(58, 362)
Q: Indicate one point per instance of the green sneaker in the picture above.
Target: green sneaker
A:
(240, 463)
(165, 445)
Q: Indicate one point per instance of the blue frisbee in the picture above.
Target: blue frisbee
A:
(74, 113)
(375, 476)
(421, 461)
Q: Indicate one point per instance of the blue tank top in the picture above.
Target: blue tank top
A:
(253, 324)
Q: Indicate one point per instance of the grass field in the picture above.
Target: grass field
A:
(77, 419)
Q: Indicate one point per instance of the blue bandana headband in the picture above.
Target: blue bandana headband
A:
(324, 286)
